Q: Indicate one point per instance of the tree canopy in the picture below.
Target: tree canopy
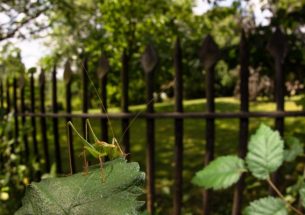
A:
(93, 28)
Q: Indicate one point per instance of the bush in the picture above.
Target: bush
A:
(265, 155)
(14, 174)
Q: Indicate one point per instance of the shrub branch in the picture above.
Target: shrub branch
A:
(282, 197)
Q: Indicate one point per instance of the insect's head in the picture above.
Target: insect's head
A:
(113, 150)
(116, 152)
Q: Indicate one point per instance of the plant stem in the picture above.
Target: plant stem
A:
(282, 197)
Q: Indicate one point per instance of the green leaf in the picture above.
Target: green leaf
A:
(88, 194)
(265, 152)
(266, 206)
(220, 173)
(295, 149)
(302, 196)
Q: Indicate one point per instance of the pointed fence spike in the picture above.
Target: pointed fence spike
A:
(103, 67)
(21, 81)
(209, 52)
(67, 72)
(149, 59)
(277, 45)
(32, 70)
(42, 77)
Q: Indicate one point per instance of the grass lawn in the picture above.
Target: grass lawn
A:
(194, 143)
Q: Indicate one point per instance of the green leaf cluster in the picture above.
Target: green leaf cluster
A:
(11, 64)
(14, 172)
(265, 155)
(115, 26)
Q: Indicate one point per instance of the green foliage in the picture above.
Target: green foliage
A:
(15, 171)
(220, 173)
(14, 174)
(10, 61)
(265, 155)
(114, 26)
(87, 194)
(294, 150)
(265, 152)
(266, 206)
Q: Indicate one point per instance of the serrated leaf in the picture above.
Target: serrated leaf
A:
(88, 194)
(302, 196)
(266, 206)
(294, 150)
(265, 152)
(220, 173)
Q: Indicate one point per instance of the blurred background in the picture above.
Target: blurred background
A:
(46, 33)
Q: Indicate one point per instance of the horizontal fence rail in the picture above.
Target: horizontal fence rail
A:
(174, 115)
(209, 54)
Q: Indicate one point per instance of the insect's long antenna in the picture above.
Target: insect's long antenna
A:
(133, 120)
(100, 99)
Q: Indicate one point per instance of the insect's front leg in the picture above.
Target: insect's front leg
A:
(103, 177)
(86, 164)
(115, 142)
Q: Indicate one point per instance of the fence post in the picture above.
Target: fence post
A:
(102, 70)
(33, 120)
(16, 124)
(23, 119)
(8, 107)
(67, 79)
(1, 95)
(55, 122)
(2, 112)
(178, 152)
(85, 93)
(43, 123)
(277, 46)
(209, 55)
(149, 62)
(124, 101)
(244, 122)
(8, 97)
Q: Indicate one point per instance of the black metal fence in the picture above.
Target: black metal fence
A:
(209, 55)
